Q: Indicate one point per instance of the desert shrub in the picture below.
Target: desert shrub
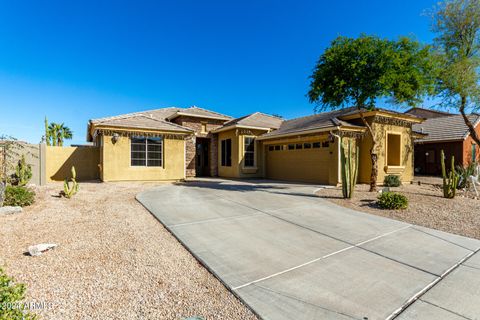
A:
(11, 295)
(392, 200)
(465, 173)
(18, 196)
(392, 181)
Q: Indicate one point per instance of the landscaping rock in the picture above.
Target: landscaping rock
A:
(10, 210)
(38, 249)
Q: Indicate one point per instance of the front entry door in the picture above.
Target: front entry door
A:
(202, 167)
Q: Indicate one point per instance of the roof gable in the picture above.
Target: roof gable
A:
(195, 111)
(255, 120)
(141, 121)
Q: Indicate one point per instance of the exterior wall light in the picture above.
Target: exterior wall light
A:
(115, 138)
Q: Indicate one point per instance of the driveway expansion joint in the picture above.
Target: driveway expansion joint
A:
(322, 258)
(443, 239)
(428, 287)
(214, 220)
(445, 309)
(307, 302)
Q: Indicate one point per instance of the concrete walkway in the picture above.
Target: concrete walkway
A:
(291, 255)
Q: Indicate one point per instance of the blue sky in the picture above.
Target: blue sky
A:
(76, 60)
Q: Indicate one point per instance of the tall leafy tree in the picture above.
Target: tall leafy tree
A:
(356, 72)
(457, 24)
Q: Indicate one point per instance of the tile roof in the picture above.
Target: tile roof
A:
(427, 113)
(257, 120)
(199, 112)
(448, 128)
(160, 114)
(317, 121)
(156, 119)
(142, 121)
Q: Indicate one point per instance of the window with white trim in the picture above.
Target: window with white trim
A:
(146, 152)
(249, 152)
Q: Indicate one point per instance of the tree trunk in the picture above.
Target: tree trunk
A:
(469, 124)
(373, 156)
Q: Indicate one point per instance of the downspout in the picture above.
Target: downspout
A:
(185, 157)
(339, 172)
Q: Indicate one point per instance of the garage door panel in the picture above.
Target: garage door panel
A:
(310, 165)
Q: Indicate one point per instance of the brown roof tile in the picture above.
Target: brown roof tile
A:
(257, 120)
(317, 121)
(448, 128)
(199, 112)
(141, 121)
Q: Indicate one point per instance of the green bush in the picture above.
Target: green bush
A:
(11, 295)
(18, 196)
(392, 181)
(392, 200)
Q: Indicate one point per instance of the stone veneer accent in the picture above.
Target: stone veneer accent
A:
(190, 143)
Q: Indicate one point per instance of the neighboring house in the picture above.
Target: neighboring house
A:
(427, 113)
(176, 143)
(443, 131)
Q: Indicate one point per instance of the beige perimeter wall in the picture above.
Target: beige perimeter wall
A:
(116, 161)
(59, 161)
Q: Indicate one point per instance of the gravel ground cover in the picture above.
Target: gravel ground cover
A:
(114, 260)
(426, 207)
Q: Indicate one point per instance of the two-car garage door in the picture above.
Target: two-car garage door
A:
(308, 162)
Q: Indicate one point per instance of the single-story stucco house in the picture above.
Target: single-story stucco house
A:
(443, 131)
(177, 143)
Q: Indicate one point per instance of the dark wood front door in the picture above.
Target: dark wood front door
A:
(202, 163)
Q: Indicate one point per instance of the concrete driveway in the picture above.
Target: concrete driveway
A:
(291, 255)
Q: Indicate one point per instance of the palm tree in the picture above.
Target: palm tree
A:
(64, 133)
(58, 133)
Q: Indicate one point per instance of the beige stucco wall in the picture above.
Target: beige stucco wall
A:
(116, 161)
(405, 170)
(237, 170)
(59, 161)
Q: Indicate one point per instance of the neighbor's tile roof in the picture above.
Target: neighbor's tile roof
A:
(257, 119)
(427, 113)
(448, 128)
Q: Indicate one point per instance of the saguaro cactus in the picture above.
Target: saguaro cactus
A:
(349, 169)
(71, 187)
(450, 181)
